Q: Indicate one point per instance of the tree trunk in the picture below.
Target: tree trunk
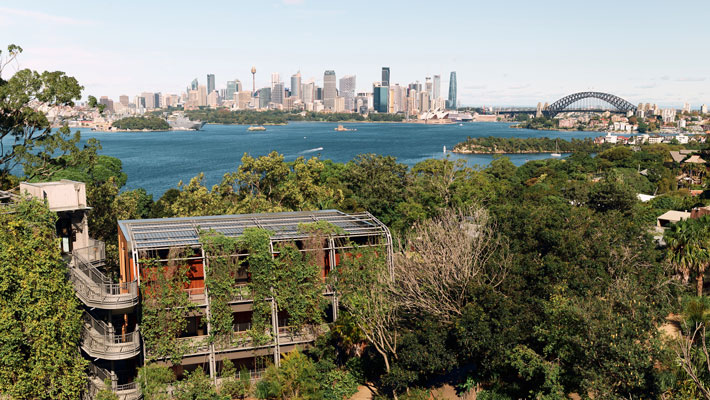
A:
(700, 284)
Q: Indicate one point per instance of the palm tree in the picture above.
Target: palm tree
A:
(689, 248)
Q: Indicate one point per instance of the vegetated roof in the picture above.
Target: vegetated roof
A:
(181, 232)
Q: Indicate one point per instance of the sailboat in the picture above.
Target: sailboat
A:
(557, 151)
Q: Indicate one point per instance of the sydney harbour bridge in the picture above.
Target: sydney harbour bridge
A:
(577, 102)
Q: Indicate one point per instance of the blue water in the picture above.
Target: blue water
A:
(157, 161)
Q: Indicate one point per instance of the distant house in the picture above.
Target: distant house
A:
(671, 217)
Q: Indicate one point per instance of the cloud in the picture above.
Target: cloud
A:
(690, 79)
(43, 17)
(292, 2)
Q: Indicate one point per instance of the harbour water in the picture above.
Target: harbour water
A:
(157, 161)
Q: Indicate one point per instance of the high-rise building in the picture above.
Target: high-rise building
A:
(210, 83)
(108, 103)
(329, 90)
(277, 93)
(686, 107)
(149, 99)
(156, 101)
(703, 109)
(318, 93)
(296, 85)
(213, 99)
(275, 79)
(380, 97)
(194, 84)
(201, 95)
(436, 87)
(264, 97)
(385, 76)
(232, 88)
(243, 99)
(123, 99)
(347, 91)
(428, 86)
(451, 103)
(308, 94)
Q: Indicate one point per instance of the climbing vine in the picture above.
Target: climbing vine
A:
(256, 242)
(165, 306)
(220, 280)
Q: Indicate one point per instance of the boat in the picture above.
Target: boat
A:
(258, 128)
(557, 151)
(341, 128)
(179, 122)
(444, 149)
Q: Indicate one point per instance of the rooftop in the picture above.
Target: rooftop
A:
(180, 232)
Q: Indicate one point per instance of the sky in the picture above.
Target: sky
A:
(504, 52)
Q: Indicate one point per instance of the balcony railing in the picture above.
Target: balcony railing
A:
(97, 382)
(93, 287)
(99, 340)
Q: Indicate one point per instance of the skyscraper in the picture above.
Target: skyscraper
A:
(380, 98)
(193, 85)
(123, 99)
(210, 83)
(275, 78)
(436, 87)
(277, 93)
(428, 85)
(329, 90)
(231, 89)
(296, 85)
(309, 92)
(347, 91)
(385, 76)
(451, 103)
(264, 97)
(149, 100)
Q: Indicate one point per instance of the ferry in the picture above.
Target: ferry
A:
(341, 128)
(256, 128)
(179, 122)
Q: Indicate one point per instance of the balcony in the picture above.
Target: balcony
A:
(99, 377)
(99, 340)
(93, 287)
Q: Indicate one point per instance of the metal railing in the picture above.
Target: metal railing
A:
(99, 340)
(93, 287)
(97, 382)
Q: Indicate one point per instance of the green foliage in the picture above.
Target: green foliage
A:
(298, 377)
(154, 380)
(232, 387)
(141, 123)
(196, 386)
(40, 317)
(220, 280)
(106, 393)
(256, 242)
(165, 307)
(494, 144)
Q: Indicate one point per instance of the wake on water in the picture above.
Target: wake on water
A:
(311, 150)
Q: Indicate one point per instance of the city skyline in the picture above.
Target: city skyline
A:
(517, 55)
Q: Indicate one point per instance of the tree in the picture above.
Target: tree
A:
(365, 285)
(25, 126)
(689, 248)
(154, 380)
(40, 317)
(196, 386)
(445, 257)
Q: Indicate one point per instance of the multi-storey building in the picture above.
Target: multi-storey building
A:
(385, 76)
(329, 90)
(139, 240)
(111, 338)
(296, 85)
(347, 91)
(380, 94)
(451, 102)
(210, 83)
(277, 93)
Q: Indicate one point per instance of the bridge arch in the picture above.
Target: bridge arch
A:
(560, 105)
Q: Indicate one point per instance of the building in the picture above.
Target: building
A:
(329, 90)
(177, 242)
(210, 83)
(194, 84)
(308, 92)
(264, 97)
(275, 78)
(380, 98)
(277, 93)
(232, 87)
(123, 99)
(213, 99)
(686, 107)
(436, 87)
(296, 85)
(451, 103)
(108, 103)
(202, 95)
(149, 99)
(243, 99)
(704, 109)
(347, 91)
(385, 76)
(668, 115)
